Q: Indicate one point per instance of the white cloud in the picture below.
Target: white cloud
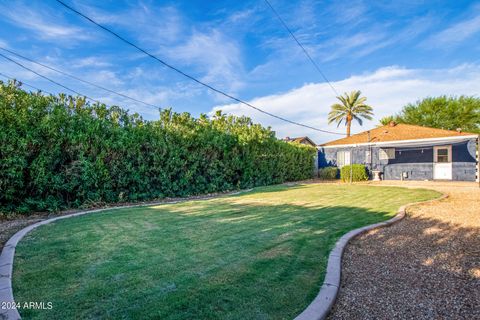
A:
(241, 17)
(456, 33)
(161, 25)
(3, 43)
(349, 13)
(387, 89)
(90, 62)
(214, 55)
(206, 48)
(46, 24)
(361, 44)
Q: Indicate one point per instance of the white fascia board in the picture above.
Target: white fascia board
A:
(399, 142)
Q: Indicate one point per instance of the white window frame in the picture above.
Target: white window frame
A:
(435, 153)
(386, 153)
(344, 158)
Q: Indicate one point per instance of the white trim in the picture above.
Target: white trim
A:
(346, 158)
(435, 153)
(437, 166)
(386, 153)
(477, 145)
(382, 143)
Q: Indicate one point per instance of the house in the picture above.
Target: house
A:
(302, 140)
(407, 152)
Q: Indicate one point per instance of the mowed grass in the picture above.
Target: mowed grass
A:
(258, 255)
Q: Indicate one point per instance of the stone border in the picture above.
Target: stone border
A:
(8, 252)
(320, 307)
(317, 310)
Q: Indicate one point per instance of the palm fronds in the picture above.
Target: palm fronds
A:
(352, 107)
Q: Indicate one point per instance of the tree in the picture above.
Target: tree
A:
(442, 112)
(59, 152)
(352, 107)
(386, 120)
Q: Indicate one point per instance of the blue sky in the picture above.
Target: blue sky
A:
(394, 51)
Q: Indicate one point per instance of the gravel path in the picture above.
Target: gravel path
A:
(426, 266)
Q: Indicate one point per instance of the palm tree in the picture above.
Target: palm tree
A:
(352, 107)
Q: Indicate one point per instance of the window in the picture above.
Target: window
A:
(442, 154)
(386, 154)
(343, 158)
(368, 156)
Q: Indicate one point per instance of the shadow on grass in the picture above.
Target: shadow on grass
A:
(419, 268)
(217, 259)
(275, 188)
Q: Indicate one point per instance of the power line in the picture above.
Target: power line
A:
(301, 46)
(189, 76)
(79, 79)
(24, 83)
(48, 79)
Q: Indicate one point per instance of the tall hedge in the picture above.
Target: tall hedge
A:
(61, 152)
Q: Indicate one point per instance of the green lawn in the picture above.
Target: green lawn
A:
(259, 255)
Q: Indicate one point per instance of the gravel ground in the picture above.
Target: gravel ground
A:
(426, 266)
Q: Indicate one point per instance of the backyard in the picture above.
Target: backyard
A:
(256, 255)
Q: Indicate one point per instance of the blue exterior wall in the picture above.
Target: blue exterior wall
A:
(417, 162)
(464, 163)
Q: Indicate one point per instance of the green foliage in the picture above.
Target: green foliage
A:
(328, 173)
(352, 107)
(386, 120)
(358, 171)
(61, 152)
(442, 112)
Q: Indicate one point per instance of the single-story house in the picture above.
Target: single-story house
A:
(302, 140)
(407, 152)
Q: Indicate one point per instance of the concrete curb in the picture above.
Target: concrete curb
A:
(8, 252)
(319, 308)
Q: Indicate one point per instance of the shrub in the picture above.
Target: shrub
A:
(328, 173)
(59, 152)
(359, 173)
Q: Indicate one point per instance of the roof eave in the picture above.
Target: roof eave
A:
(393, 142)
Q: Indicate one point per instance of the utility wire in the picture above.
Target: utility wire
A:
(301, 46)
(79, 79)
(24, 83)
(189, 76)
(48, 79)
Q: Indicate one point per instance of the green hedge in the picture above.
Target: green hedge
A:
(359, 173)
(328, 173)
(61, 152)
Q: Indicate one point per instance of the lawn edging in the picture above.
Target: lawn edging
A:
(320, 307)
(8, 252)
